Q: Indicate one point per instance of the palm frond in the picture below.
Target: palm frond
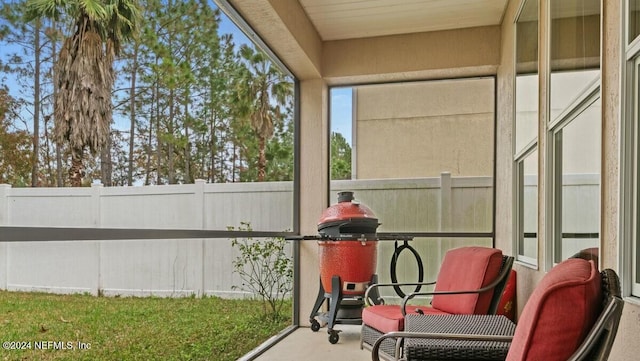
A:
(94, 9)
(43, 8)
(123, 17)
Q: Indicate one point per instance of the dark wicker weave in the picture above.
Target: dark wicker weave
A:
(438, 349)
(388, 347)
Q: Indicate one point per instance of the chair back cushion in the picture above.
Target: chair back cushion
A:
(467, 268)
(560, 312)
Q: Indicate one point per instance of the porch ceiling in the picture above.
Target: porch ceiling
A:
(364, 41)
(348, 19)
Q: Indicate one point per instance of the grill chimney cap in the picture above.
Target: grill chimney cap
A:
(345, 196)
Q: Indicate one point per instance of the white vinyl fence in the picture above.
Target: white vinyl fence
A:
(182, 267)
(166, 267)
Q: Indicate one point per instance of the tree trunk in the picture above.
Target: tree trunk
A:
(171, 171)
(132, 111)
(233, 163)
(262, 159)
(212, 149)
(47, 153)
(158, 137)
(148, 152)
(54, 57)
(36, 106)
(147, 178)
(106, 165)
(59, 180)
(76, 172)
(187, 150)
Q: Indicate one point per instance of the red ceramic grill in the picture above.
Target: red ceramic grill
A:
(349, 245)
(347, 248)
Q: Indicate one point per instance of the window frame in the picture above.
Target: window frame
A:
(519, 204)
(555, 174)
(635, 246)
(626, 28)
(629, 171)
(519, 155)
(553, 210)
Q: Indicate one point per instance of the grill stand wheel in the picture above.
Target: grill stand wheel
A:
(334, 337)
(351, 309)
(315, 325)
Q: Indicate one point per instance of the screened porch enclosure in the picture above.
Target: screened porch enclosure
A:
(501, 123)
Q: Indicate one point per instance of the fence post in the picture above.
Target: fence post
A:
(199, 203)
(445, 210)
(4, 247)
(445, 202)
(4, 204)
(96, 199)
(96, 192)
(200, 219)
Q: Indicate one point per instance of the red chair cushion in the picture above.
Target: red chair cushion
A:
(507, 304)
(559, 313)
(467, 268)
(388, 318)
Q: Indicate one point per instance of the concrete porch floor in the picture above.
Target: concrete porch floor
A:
(304, 344)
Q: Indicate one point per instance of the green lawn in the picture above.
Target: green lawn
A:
(83, 327)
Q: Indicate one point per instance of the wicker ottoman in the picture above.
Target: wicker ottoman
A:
(438, 349)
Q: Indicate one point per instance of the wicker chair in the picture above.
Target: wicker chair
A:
(461, 294)
(590, 254)
(590, 307)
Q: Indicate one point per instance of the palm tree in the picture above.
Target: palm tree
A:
(83, 73)
(262, 90)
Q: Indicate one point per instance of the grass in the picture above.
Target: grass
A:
(130, 328)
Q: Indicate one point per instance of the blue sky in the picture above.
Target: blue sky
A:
(341, 112)
(228, 27)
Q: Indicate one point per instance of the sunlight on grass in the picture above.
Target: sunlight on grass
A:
(84, 327)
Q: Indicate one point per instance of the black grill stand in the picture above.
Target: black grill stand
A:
(350, 305)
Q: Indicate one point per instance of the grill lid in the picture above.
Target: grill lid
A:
(347, 217)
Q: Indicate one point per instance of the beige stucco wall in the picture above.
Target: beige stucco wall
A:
(314, 180)
(439, 54)
(437, 126)
(626, 346)
(504, 140)
(459, 53)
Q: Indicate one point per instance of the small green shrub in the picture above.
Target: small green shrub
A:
(265, 270)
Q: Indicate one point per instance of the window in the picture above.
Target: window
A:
(635, 176)
(574, 128)
(633, 11)
(630, 171)
(421, 156)
(527, 207)
(576, 173)
(575, 50)
(526, 133)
